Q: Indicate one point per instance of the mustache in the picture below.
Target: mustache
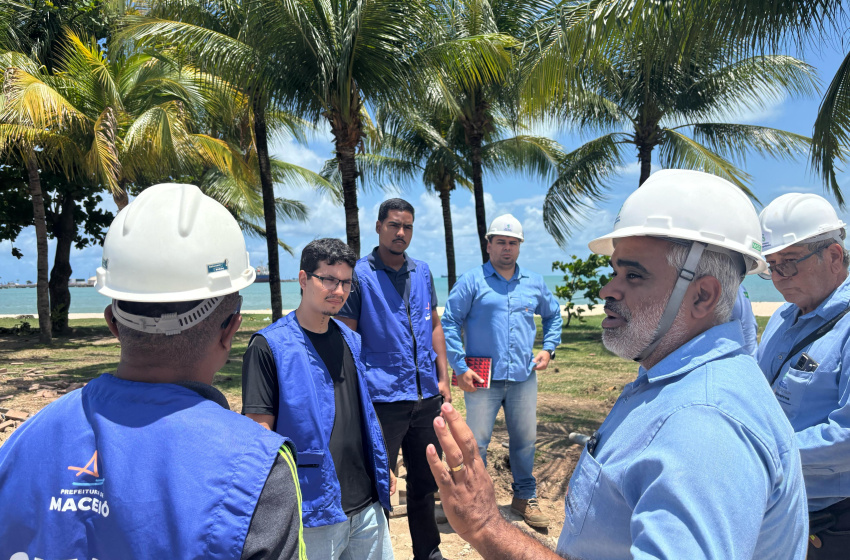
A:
(618, 308)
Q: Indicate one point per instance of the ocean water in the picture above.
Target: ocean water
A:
(22, 301)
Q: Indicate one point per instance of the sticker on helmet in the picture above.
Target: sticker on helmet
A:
(216, 267)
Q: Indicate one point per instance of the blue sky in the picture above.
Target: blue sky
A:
(517, 194)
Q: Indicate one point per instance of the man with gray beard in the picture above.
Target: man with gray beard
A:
(695, 459)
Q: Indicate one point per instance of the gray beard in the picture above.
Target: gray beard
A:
(631, 339)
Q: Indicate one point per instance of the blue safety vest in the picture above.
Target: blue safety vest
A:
(306, 413)
(397, 348)
(121, 469)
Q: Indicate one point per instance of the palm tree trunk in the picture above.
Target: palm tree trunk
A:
(348, 170)
(60, 296)
(645, 158)
(42, 294)
(474, 130)
(121, 197)
(269, 213)
(478, 193)
(348, 133)
(445, 199)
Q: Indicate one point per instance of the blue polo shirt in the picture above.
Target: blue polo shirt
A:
(695, 460)
(816, 402)
(496, 317)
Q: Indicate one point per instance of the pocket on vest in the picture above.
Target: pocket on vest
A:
(382, 359)
(314, 491)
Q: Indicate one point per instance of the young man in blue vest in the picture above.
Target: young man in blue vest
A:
(149, 462)
(393, 306)
(491, 312)
(303, 377)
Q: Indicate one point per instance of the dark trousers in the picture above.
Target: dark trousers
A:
(409, 425)
(834, 539)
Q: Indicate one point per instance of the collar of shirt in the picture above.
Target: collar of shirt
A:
(835, 303)
(705, 347)
(374, 260)
(490, 271)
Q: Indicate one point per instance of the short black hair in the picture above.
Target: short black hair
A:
(394, 204)
(327, 249)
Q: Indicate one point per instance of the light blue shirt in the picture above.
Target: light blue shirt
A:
(695, 460)
(497, 319)
(815, 402)
(743, 311)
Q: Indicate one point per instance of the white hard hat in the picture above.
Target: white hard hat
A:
(173, 243)
(691, 206)
(682, 205)
(796, 217)
(507, 225)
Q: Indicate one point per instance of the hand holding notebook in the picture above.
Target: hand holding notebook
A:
(482, 367)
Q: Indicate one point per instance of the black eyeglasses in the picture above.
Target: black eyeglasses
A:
(330, 283)
(229, 317)
(787, 269)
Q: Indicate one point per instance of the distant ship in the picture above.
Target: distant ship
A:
(262, 274)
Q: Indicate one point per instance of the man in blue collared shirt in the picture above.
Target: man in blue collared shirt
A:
(804, 246)
(695, 459)
(494, 304)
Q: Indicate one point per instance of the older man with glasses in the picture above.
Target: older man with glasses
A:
(804, 354)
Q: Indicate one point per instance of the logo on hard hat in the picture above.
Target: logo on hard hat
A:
(216, 267)
(756, 246)
(507, 227)
(104, 263)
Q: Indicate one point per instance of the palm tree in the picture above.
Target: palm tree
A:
(759, 26)
(667, 83)
(431, 145)
(137, 114)
(229, 40)
(477, 104)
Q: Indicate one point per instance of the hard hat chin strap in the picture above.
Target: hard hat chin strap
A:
(686, 275)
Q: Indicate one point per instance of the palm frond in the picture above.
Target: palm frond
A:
(580, 184)
(680, 152)
(734, 141)
(831, 133)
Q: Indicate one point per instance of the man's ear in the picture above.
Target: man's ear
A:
(378, 227)
(110, 321)
(706, 294)
(835, 256)
(229, 331)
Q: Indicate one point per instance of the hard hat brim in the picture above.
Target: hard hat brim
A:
(245, 279)
(605, 245)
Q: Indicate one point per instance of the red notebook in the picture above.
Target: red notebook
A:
(481, 366)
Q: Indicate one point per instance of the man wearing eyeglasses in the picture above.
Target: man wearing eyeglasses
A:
(302, 376)
(393, 306)
(805, 355)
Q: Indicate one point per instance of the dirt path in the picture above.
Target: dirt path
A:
(554, 462)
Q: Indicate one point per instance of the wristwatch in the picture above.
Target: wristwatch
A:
(551, 354)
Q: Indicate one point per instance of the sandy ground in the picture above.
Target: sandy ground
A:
(760, 309)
